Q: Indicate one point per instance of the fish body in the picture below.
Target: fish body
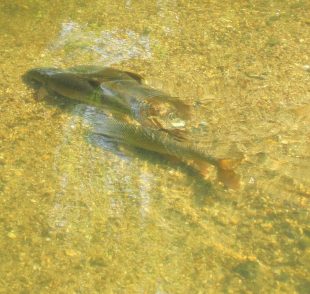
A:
(108, 88)
(78, 87)
(161, 143)
(150, 140)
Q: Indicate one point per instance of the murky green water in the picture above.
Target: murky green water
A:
(76, 218)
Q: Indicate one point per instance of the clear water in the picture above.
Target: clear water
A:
(78, 218)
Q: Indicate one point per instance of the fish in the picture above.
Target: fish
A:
(162, 144)
(120, 92)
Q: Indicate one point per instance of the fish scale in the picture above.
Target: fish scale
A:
(151, 140)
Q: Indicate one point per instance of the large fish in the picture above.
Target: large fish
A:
(120, 92)
(161, 143)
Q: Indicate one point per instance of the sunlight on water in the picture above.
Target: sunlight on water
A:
(81, 215)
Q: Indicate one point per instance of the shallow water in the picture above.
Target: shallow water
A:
(78, 218)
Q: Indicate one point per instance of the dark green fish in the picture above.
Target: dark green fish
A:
(80, 87)
(121, 92)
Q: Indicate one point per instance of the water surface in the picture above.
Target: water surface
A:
(78, 218)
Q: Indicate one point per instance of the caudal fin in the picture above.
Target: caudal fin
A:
(226, 174)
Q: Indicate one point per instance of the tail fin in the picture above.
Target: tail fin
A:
(226, 174)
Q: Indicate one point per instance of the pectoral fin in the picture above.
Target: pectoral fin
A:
(175, 133)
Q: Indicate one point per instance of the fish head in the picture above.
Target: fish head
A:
(61, 82)
(38, 77)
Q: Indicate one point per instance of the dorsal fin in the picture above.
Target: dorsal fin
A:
(93, 82)
(135, 76)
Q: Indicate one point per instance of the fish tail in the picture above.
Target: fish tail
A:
(226, 173)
